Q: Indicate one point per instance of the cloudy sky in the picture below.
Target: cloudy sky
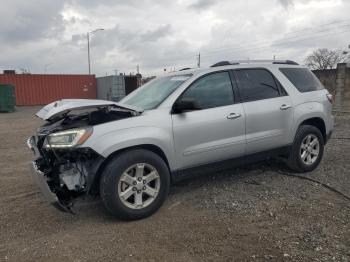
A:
(50, 35)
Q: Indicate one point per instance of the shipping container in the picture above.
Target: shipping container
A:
(110, 88)
(131, 83)
(115, 87)
(37, 89)
(7, 98)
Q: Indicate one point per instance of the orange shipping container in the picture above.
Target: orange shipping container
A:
(36, 89)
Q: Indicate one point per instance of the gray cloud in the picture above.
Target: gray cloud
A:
(154, 35)
(202, 4)
(286, 3)
(160, 33)
(27, 21)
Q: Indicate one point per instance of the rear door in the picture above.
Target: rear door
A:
(268, 109)
(216, 131)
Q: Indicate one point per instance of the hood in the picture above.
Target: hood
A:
(58, 108)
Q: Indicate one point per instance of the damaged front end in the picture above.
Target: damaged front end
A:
(64, 169)
(64, 176)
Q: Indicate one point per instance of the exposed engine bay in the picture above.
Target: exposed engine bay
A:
(71, 171)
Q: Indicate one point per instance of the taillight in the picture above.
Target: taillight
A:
(330, 98)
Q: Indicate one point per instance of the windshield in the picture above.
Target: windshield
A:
(155, 92)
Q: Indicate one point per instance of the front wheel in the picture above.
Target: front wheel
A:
(134, 184)
(307, 149)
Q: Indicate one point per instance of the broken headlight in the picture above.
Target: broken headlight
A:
(68, 138)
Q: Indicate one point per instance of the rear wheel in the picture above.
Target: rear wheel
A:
(134, 184)
(307, 149)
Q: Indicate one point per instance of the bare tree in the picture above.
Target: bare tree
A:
(324, 58)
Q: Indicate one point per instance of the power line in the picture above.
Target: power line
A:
(300, 40)
(293, 32)
(321, 25)
(279, 41)
(262, 45)
(249, 47)
(262, 48)
(265, 44)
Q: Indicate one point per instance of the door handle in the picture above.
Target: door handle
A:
(233, 116)
(285, 107)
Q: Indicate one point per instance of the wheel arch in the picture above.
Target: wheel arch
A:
(150, 147)
(317, 122)
(314, 114)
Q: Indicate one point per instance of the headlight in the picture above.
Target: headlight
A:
(68, 138)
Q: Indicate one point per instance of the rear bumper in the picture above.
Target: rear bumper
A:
(328, 136)
(329, 128)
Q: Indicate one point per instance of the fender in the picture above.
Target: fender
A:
(306, 111)
(116, 140)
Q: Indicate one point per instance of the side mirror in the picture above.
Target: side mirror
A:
(184, 105)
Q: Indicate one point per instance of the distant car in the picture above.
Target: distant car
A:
(128, 153)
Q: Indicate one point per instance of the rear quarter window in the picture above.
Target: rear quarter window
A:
(303, 79)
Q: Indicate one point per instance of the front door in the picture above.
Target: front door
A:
(216, 131)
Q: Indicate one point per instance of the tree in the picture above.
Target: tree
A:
(324, 58)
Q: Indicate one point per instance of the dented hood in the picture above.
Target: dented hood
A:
(58, 108)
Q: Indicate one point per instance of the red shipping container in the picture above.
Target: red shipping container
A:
(36, 89)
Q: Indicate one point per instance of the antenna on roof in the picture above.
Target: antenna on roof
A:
(199, 60)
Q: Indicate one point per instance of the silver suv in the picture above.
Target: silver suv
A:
(130, 152)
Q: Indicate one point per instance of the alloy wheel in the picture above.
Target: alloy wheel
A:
(309, 149)
(139, 186)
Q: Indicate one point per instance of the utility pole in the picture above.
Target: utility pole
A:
(138, 69)
(88, 44)
(199, 60)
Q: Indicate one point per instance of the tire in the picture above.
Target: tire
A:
(116, 181)
(295, 160)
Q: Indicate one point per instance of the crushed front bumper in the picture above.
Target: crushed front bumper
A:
(41, 180)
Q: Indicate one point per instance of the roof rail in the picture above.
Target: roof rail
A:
(224, 63)
(237, 62)
(285, 62)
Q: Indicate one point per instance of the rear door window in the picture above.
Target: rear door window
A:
(256, 84)
(303, 79)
